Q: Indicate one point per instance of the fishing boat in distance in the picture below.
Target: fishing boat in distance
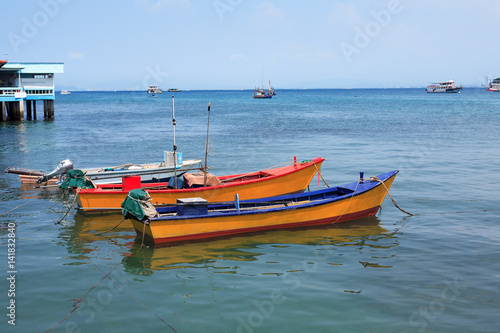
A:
(494, 85)
(271, 90)
(260, 93)
(293, 178)
(444, 87)
(195, 218)
(154, 90)
(174, 90)
(65, 92)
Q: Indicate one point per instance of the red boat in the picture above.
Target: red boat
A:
(2, 62)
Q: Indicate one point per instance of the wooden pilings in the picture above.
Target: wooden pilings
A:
(28, 110)
(14, 111)
(48, 109)
(3, 111)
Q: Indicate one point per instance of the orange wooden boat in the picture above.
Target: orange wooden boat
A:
(265, 183)
(194, 218)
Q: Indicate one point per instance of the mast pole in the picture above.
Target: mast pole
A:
(206, 149)
(175, 147)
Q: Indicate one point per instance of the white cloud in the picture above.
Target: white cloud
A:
(158, 4)
(239, 56)
(268, 14)
(76, 55)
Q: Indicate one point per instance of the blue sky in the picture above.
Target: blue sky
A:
(233, 44)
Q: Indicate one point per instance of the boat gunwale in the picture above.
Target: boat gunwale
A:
(311, 203)
(146, 169)
(293, 169)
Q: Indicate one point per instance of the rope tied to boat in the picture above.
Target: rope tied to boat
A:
(319, 174)
(116, 226)
(78, 301)
(376, 179)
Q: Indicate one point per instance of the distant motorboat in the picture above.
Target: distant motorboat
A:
(173, 90)
(443, 87)
(494, 85)
(154, 90)
(65, 92)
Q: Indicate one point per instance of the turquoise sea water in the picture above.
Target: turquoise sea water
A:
(436, 271)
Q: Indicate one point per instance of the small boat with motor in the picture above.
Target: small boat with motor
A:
(148, 172)
(195, 218)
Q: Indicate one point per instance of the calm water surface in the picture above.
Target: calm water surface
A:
(436, 271)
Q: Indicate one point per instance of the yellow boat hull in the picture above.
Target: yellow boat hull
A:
(352, 207)
(279, 181)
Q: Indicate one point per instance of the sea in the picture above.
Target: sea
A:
(437, 270)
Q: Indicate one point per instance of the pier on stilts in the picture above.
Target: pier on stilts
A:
(22, 84)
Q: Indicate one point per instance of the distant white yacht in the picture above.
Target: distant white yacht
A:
(494, 85)
(154, 90)
(443, 87)
(65, 92)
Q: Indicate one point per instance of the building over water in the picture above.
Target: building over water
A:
(25, 83)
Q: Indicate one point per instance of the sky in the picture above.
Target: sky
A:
(240, 44)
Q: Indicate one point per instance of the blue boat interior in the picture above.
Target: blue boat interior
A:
(201, 207)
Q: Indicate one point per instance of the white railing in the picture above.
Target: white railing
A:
(30, 91)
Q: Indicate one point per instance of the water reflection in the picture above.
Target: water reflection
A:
(89, 237)
(361, 234)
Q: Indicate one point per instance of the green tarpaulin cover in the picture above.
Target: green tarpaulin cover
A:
(76, 178)
(138, 204)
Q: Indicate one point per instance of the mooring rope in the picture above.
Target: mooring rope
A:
(80, 300)
(375, 178)
(319, 173)
(14, 208)
(69, 209)
(116, 226)
(64, 195)
(139, 302)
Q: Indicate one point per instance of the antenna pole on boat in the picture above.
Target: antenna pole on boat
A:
(175, 147)
(206, 149)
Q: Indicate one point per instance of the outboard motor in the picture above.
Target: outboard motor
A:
(61, 169)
